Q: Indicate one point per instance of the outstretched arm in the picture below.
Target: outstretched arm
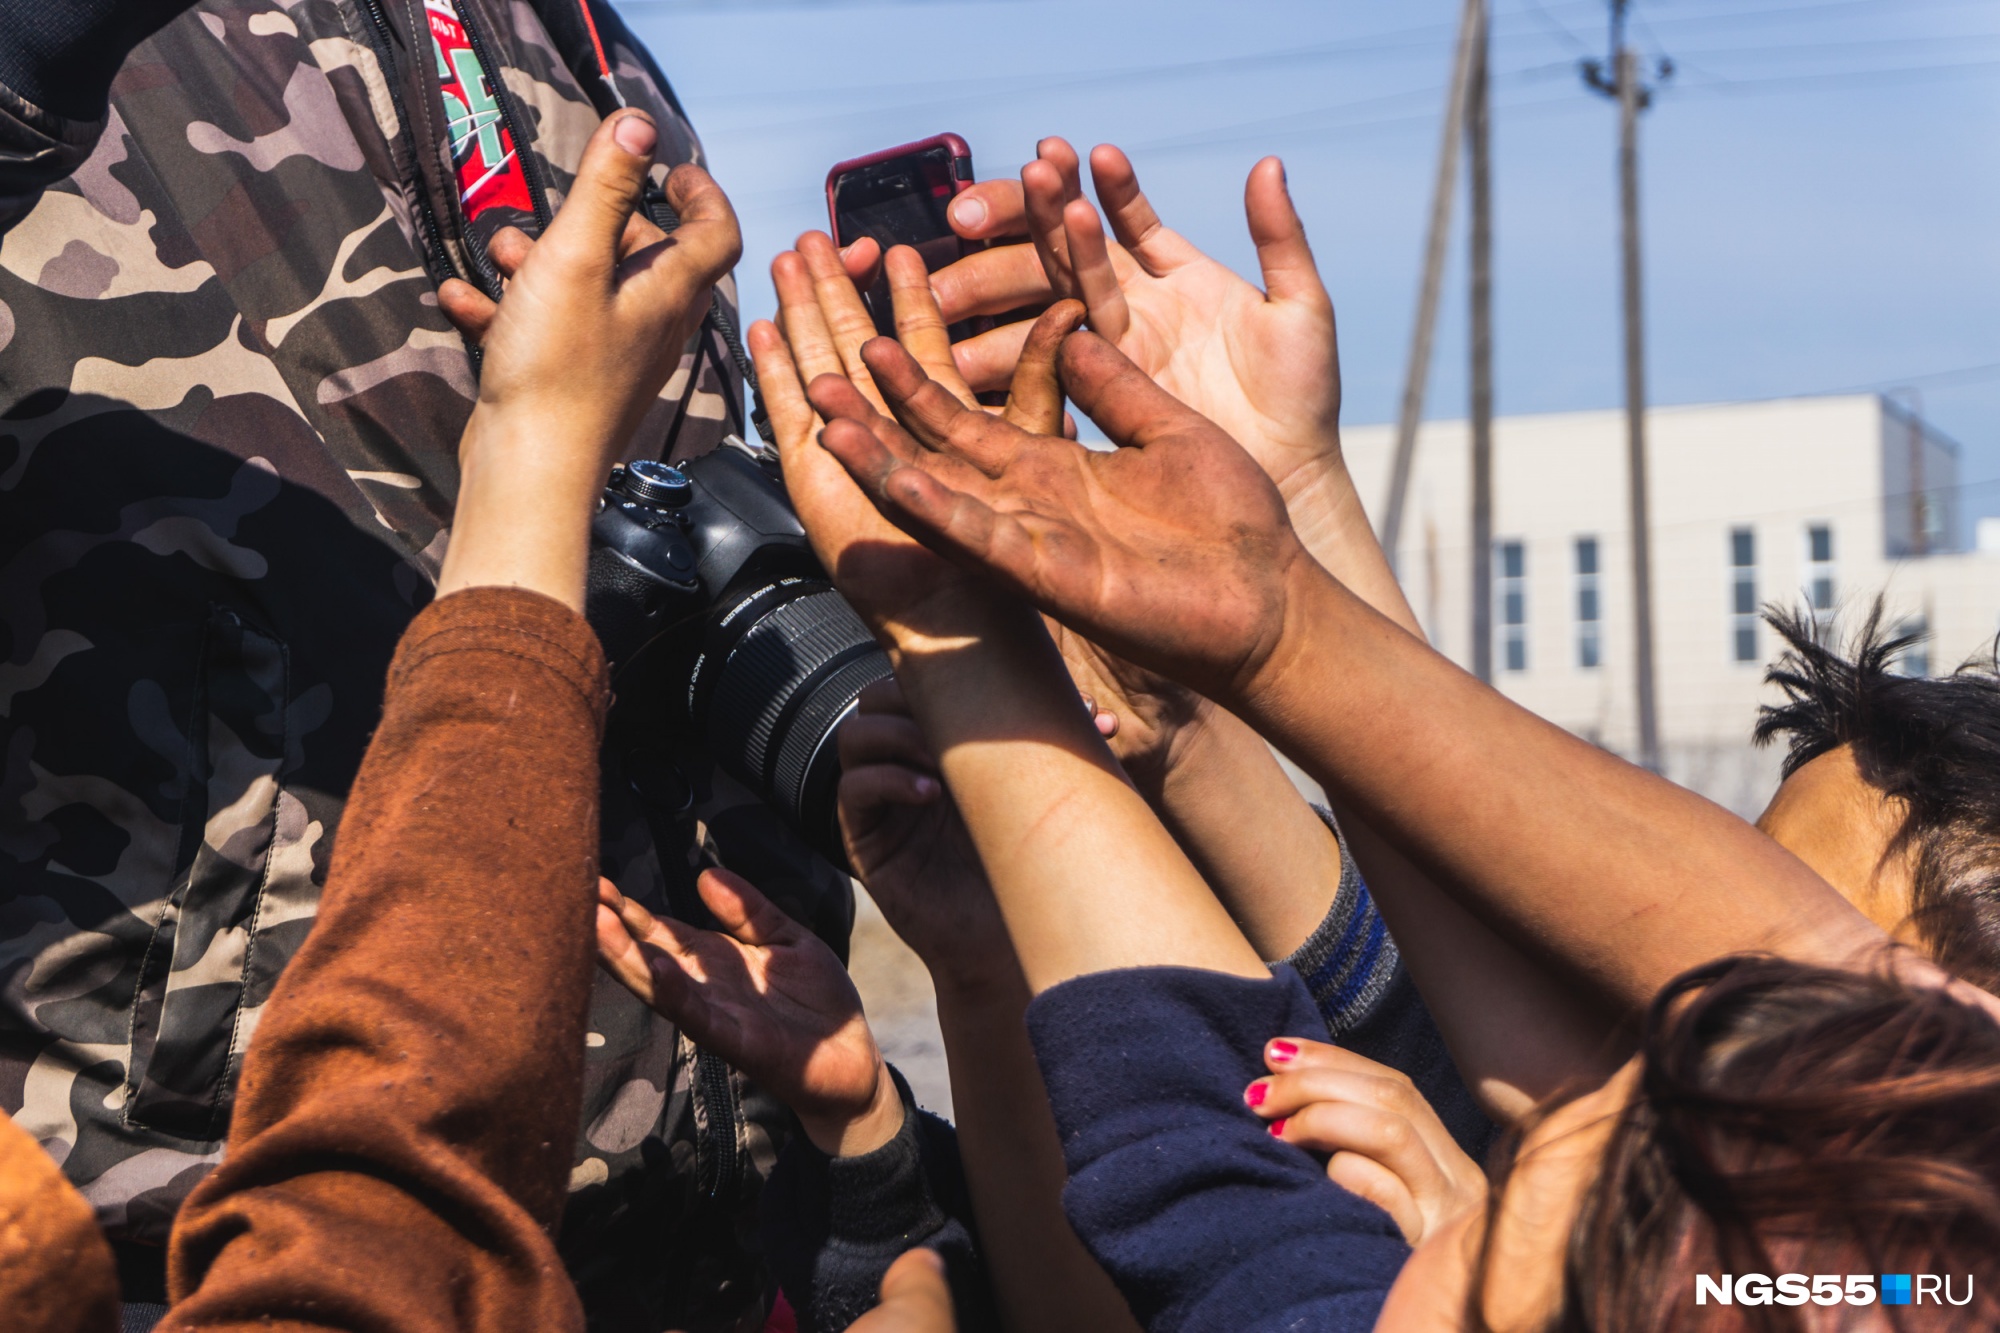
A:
(1265, 366)
(1175, 551)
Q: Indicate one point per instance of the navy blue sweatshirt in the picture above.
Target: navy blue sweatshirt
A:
(1202, 1219)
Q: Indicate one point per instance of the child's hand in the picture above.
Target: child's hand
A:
(574, 354)
(767, 996)
(1262, 364)
(1383, 1140)
(908, 844)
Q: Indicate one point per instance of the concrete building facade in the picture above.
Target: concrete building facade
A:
(1818, 502)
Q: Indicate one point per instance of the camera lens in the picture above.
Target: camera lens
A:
(791, 659)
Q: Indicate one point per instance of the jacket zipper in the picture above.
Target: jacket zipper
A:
(719, 1094)
(438, 255)
(503, 97)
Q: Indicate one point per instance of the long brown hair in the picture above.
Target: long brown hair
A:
(1795, 1119)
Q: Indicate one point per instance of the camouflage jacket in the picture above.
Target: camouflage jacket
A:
(229, 415)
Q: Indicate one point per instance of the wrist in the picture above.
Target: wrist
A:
(851, 1134)
(524, 507)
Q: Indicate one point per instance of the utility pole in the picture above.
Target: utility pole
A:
(1471, 37)
(1633, 96)
(1477, 125)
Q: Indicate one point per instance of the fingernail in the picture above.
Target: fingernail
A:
(1283, 1051)
(1254, 1094)
(968, 212)
(635, 134)
(927, 787)
(1278, 1129)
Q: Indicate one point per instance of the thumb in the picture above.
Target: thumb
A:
(1121, 398)
(606, 190)
(744, 914)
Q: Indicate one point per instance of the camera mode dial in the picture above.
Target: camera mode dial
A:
(657, 483)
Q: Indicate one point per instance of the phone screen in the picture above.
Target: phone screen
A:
(901, 201)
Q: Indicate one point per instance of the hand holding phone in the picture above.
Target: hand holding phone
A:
(898, 197)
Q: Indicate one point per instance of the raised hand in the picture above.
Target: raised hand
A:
(1174, 552)
(1263, 365)
(1381, 1138)
(825, 325)
(767, 996)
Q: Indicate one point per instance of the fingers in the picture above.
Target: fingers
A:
(470, 310)
(801, 319)
(989, 210)
(840, 305)
(866, 789)
(863, 262)
(938, 420)
(605, 192)
(744, 914)
(1158, 248)
(1382, 1187)
(1035, 397)
(1121, 398)
(916, 1298)
(1282, 251)
(621, 956)
(991, 282)
(886, 738)
(919, 326)
(884, 696)
(705, 246)
(1048, 184)
(510, 248)
(792, 417)
(986, 361)
(1090, 259)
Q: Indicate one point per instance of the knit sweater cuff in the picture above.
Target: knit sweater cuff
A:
(1349, 959)
(878, 1195)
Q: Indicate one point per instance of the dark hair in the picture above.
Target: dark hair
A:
(1933, 744)
(1794, 1119)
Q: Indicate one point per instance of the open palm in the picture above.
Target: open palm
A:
(764, 993)
(1263, 365)
(1174, 552)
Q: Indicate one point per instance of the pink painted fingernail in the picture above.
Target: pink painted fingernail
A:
(1254, 1094)
(1284, 1051)
(1277, 1129)
(968, 213)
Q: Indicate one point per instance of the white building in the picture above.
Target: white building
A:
(1820, 501)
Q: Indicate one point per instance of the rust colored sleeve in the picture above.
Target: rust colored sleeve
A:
(56, 1274)
(400, 1144)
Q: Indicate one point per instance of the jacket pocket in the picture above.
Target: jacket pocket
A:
(190, 1000)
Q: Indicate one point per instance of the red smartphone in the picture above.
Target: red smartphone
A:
(899, 197)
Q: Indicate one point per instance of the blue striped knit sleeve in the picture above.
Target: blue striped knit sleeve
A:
(1349, 960)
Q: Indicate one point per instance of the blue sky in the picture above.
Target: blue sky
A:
(1821, 177)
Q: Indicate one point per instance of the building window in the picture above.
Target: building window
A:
(1819, 571)
(1589, 612)
(1914, 659)
(1743, 593)
(1511, 590)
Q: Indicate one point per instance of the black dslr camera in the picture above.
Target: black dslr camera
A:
(723, 629)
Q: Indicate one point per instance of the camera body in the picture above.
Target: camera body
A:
(723, 630)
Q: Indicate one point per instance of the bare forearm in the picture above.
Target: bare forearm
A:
(1619, 876)
(1086, 877)
(1259, 845)
(1043, 1278)
(1332, 523)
